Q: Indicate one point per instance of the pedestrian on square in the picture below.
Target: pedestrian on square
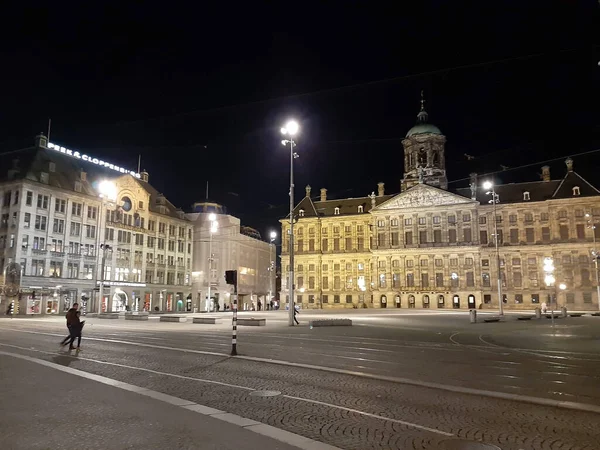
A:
(74, 324)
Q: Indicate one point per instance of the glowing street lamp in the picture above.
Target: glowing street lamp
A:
(550, 280)
(490, 188)
(290, 129)
(107, 190)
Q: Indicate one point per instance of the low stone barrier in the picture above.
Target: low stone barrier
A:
(492, 319)
(173, 319)
(209, 320)
(108, 316)
(330, 323)
(576, 314)
(136, 316)
(252, 322)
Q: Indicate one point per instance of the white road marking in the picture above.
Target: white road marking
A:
(393, 379)
(375, 416)
(234, 420)
(235, 386)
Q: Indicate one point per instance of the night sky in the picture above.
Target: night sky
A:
(202, 93)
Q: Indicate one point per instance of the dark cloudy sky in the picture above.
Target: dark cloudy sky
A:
(201, 93)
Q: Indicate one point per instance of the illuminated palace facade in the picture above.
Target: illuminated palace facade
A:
(68, 239)
(427, 247)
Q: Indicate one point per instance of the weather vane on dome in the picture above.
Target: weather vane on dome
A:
(422, 100)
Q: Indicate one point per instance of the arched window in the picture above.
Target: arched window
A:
(426, 301)
(471, 301)
(526, 196)
(301, 213)
(576, 191)
(360, 208)
(336, 211)
(397, 301)
(456, 302)
(383, 301)
(441, 301)
(411, 301)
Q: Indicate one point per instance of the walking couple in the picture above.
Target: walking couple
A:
(75, 326)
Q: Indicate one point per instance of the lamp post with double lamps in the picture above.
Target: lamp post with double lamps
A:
(595, 255)
(107, 191)
(271, 269)
(290, 129)
(214, 226)
(491, 190)
(550, 280)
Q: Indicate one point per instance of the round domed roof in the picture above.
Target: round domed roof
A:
(423, 128)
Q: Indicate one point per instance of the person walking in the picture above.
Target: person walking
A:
(74, 325)
(296, 312)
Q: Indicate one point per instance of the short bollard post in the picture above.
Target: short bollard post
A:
(563, 311)
(538, 313)
(231, 278)
(473, 315)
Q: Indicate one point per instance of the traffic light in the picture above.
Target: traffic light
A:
(231, 277)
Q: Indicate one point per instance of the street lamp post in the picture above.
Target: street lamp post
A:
(213, 229)
(491, 190)
(596, 255)
(550, 280)
(108, 193)
(272, 236)
(291, 128)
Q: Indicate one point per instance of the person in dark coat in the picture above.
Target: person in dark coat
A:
(74, 325)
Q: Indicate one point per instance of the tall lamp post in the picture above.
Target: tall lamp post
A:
(108, 193)
(550, 280)
(595, 254)
(491, 190)
(290, 129)
(272, 237)
(214, 226)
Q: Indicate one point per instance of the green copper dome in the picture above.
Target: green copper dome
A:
(423, 128)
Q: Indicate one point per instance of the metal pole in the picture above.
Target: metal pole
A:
(270, 275)
(101, 291)
(500, 305)
(595, 254)
(209, 274)
(291, 281)
(234, 321)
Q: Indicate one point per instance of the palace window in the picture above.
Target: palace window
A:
(526, 196)
(576, 191)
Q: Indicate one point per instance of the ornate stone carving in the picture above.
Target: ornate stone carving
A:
(423, 195)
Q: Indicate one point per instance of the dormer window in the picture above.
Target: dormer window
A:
(526, 196)
(360, 208)
(576, 191)
(301, 213)
(44, 177)
(336, 211)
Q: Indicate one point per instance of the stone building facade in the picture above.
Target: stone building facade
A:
(427, 247)
(63, 234)
(231, 247)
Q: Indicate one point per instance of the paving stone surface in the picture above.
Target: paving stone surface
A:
(355, 412)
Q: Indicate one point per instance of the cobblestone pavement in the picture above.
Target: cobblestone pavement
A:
(349, 411)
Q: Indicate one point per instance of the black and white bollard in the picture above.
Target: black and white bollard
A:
(234, 325)
(473, 315)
